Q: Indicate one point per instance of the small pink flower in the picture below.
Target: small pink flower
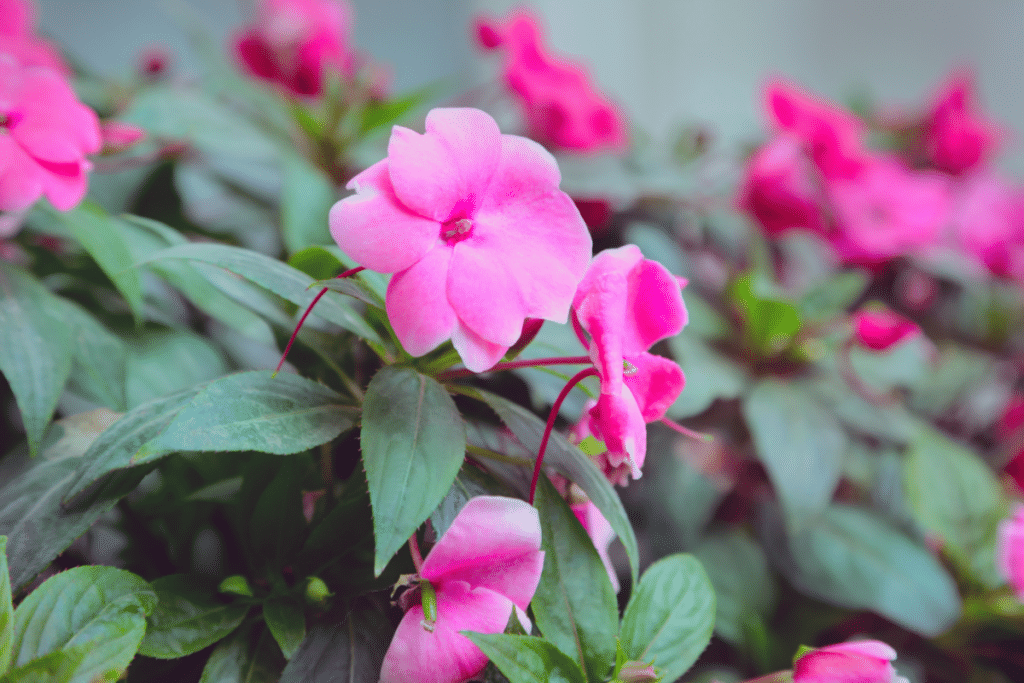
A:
(45, 134)
(958, 136)
(1009, 427)
(781, 188)
(601, 533)
(1010, 550)
(880, 330)
(562, 107)
(627, 303)
(475, 229)
(18, 38)
(487, 564)
(295, 42)
(861, 661)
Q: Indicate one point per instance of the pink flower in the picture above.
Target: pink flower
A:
(487, 564)
(862, 661)
(562, 107)
(627, 303)
(958, 137)
(295, 42)
(119, 136)
(988, 222)
(1009, 428)
(781, 188)
(45, 134)
(18, 38)
(600, 532)
(475, 229)
(880, 330)
(1010, 550)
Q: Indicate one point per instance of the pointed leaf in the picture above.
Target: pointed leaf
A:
(524, 659)
(189, 616)
(287, 623)
(56, 667)
(351, 651)
(248, 656)
(6, 611)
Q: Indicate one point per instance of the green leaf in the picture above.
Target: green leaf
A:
(316, 262)
(306, 199)
(6, 610)
(189, 617)
(744, 585)
(955, 495)
(99, 368)
(469, 483)
(709, 376)
(193, 358)
(670, 615)
(413, 443)
(852, 558)
(379, 113)
(570, 462)
(278, 527)
(527, 660)
(102, 608)
(56, 667)
(250, 655)
(575, 605)
(800, 443)
(274, 276)
(353, 288)
(287, 623)
(771, 324)
(832, 297)
(347, 652)
(34, 344)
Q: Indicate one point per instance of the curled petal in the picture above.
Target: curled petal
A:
(621, 426)
(416, 304)
(655, 384)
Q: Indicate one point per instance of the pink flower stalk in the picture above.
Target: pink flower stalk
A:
(627, 303)
(781, 188)
(487, 564)
(988, 222)
(295, 42)
(18, 38)
(958, 136)
(601, 533)
(1010, 550)
(45, 134)
(562, 107)
(475, 229)
(862, 661)
(880, 330)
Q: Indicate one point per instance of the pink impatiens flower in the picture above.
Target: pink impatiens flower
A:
(295, 42)
(627, 303)
(485, 566)
(880, 330)
(1010, 551)
(862, 661)
(957, 136)
(781, 188)
(18, 38)
(475, 229)
(562, 107)
(988, 221)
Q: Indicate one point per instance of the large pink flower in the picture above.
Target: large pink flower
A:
(781, 188)
(862, 661)
(18, 38)
(1010, 550)
(627, 303)
(562, 107)
(45, 133)
(295, 42)
(475, 229)
(487, 564)
(958, 136)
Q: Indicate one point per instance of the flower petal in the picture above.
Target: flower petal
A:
(622, 428)
(54, 126)
(21, 178)
(484, 294)
(655, 385)
(478, 354)
(416, 304)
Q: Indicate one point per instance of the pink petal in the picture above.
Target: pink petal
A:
(655, 385)
(445, 656)
(55, 126)
(622, 428)
(855, 662)
(655, 307)
(1010, 551)
(494, 542)
(21, 178)
(478, 354)
(601, 313)
(601, 533)
(447, 169)
(375, 229)
(484, 293)
(867, 648)
(66, 187)
(416, 304)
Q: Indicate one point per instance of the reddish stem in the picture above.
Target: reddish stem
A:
(578, 329)
(686, 431)
(573, 381)
(414, 550)
(309, 309)
(513, 364)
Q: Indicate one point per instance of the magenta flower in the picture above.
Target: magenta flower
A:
(781, 188)
(1010, 550)
(487, 564)
(627, 303)
(958, 137)
(880, 330)
(18, 38)
(562, 107)
(475, 229)
(862, 661)
(295, 42)
(45, 134)
(600, 532)
(988, 222)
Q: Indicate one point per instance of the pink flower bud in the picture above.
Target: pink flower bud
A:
(880, 330)
(862, 661)
(119, 136)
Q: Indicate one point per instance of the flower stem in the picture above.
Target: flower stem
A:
(513, 364)
(414, 550)
(578, 329)
(573, 381)
(686, 431)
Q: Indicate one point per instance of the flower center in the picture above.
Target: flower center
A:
(456, 230)
(9, 119)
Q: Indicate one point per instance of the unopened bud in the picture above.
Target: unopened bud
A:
(316, 590)
(235, 585)
(637, 672)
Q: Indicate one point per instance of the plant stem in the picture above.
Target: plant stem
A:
(414, 550)
(686, 431)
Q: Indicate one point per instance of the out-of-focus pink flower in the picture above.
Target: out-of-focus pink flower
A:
(18, 38)
(781, 188)
(627, 303)
(562, 107)
(600, 532)
(45, 133)
(487, 564)
(295, 42)
(154, 62)
(988, 222)
(119, 136)
(1009, 427)
(958, 136)
(1010, 550)
(475, 229)
(861, 661)
(880, 330)
(886, 210)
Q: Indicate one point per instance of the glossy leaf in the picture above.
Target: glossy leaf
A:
(56, 667)
(194, 359)
(350, 651)
(188, 617)
(524, 659)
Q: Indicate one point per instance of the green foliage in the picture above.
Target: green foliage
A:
(525, 660)
(306, 199)
(6, 611)
(278, 528)
(188, 617)
(287, 623)
(348, 651)
(771, 324)
(250, 655)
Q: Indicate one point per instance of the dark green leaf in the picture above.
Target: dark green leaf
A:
(670, 615)
(470, 483)
(348, 652)
(6, 610)
(709, 376)
(316, 262)
(100, 607)
(189, 617)
(527, 660)
(56, 667)
(352, 288)
(152, 353)
(250, 655)
(306, 200)
(35, 344)
(575, 605)
(100, 359)
(278, 528)
(287, 623)
(744, 585)
(413, 442)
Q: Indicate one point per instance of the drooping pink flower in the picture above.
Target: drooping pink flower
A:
(781, 188)
(475, 229)
(881, 329)
(294, 43)
(562, 106)
(627, 303)
(45, 134)
(485, 566)
(19, 40)
(988, 221)
(1010, 550)
(600, 532)
(958, 136)
(862, 661)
